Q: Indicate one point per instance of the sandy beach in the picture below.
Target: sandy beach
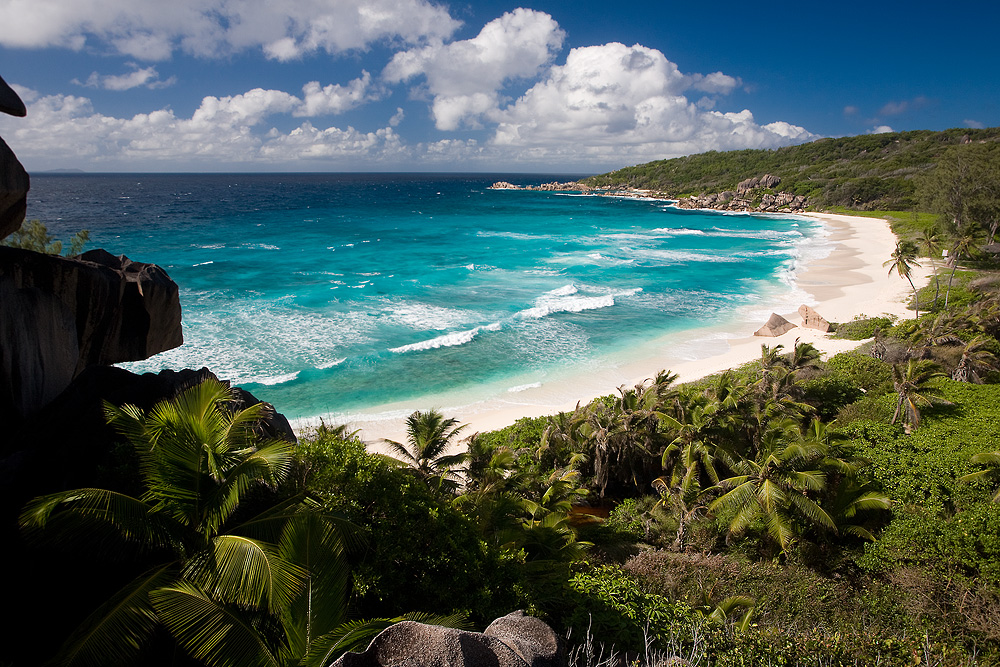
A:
(850, 281)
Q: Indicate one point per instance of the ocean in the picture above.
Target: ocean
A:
(338, 294)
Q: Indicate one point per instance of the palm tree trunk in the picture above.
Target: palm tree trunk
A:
(954, 267)
(916, 303)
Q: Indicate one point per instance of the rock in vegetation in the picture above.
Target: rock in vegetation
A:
(61, 315)
(775, 326)
(515, 640)
(812, 320)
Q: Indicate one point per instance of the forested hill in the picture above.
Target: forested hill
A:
(872, 171)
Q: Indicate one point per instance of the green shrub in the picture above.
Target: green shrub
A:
(829, 393)
(420, 554)
(871, 375)
(862, 327)
(33, 235)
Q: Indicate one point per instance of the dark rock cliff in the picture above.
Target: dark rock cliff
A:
(61, 315)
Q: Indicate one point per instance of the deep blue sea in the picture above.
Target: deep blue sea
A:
(332, 293)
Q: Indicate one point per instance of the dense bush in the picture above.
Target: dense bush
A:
(418, 553)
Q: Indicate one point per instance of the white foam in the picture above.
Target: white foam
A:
(524, 387)
(267, 379)
(565, 290)
(203, 263)
(331, 364)
(679, 231)
(447, 340)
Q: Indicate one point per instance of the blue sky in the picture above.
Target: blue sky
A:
(405, 85)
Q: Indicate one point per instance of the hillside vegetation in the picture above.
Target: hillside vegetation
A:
(874, 171)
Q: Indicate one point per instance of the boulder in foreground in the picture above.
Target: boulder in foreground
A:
(515, 640)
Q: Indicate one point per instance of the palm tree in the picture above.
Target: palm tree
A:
(903, 259)
(976, 360)
(964, 246)
(260, 592)
(930, 244)
(429, 437)
(913, 388)
(775, 487)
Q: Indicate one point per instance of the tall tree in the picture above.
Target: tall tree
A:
(902, 261)
(429, 441)
(929, 243)
(914, 389)
(262, 591)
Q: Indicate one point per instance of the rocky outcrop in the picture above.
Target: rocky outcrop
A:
(554, 186)
(765, 181)
(515, 640)
(14, 184)
(812, 320)
(61, 315)
(14, 180)
(751, 195)
(776, 325)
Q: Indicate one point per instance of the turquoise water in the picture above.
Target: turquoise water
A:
(334, 293)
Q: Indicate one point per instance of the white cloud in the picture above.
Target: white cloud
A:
(614, 101)
(880, 129)
(465, 78)
(334, 98)
(222, 130)
(146, 77)
(973, 124)
(150, 30)
(717, 82)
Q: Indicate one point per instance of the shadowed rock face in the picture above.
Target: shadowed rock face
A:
(515, 640)
(61, 315)
(14, 184)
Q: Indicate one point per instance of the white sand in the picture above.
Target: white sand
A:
(849, 281)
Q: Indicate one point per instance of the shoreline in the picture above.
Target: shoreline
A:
(849, 281)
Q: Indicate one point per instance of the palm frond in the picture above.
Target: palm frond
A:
(208, 631)
(246, 572)
(116, 632)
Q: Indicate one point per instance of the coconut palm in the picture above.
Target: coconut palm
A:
(902, 261)
(267, 590)
(930, 244)
(429, 437)
(775, 487)
(963, 247)
(914, 390)
(976, 360)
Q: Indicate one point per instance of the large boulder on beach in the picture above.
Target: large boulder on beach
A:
(61, 315)
(515, 640)
(812, 320)
(776, 325)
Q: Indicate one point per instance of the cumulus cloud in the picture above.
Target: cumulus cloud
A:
(464, 78)
(973, 124)
(334, 98)
(717, 82)
(146, 77)
(226, 130)
(283, 30)
(881, 129)
(629, 101)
